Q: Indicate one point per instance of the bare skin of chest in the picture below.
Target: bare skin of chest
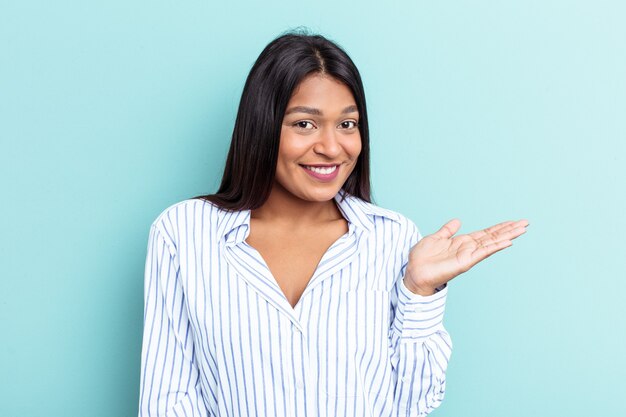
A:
(293, 255)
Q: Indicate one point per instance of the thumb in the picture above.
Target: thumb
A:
(448, 229)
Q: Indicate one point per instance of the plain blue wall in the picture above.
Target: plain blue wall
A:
(482, 110)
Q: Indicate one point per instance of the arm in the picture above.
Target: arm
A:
(421, 350)
(169, 381)
(421, 346)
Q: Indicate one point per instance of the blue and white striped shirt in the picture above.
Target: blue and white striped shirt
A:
(221, 339)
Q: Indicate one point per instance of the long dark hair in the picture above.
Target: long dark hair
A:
(251, 162)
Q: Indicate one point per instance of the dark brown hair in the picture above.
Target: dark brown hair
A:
(251, 162)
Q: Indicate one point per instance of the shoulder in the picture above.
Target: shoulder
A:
(393, 229)
(185, 217)
(378, 214)
(384, 213)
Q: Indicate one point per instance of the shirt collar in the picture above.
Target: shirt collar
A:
(360, 214)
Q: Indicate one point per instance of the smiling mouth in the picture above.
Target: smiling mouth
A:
(326, 170)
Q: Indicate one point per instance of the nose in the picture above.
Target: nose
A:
(328, 143)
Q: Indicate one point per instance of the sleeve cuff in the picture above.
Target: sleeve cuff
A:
(422, 315)
(410, 295)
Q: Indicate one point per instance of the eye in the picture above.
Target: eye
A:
(348, 124)
(302, 124)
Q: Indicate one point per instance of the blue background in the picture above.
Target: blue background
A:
(482, 110)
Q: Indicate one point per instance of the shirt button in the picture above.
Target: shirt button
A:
(406, 379)
(299, 384)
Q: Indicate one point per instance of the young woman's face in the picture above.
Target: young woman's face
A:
(319, 140)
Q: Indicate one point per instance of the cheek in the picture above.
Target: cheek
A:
(354, 147)
(290, 148)
(284, 148)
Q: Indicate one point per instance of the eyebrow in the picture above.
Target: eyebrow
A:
(317, 112)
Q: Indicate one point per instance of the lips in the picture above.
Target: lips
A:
(323, 173)
(325, 170)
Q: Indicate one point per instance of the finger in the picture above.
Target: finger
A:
(449, 229)
(514, 233)
(495, 232)
(501, 236)
(486, 251)
(480, 233)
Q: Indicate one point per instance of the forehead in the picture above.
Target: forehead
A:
(321, 91)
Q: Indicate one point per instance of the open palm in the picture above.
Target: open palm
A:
(439, 257)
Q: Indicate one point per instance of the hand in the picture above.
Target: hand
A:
(439, 257)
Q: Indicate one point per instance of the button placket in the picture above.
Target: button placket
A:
(300, 376)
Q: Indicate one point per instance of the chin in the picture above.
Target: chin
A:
(320, 195)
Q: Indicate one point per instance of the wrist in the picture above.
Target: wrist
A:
(418, 290)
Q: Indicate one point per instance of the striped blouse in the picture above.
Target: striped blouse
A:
(221, 339)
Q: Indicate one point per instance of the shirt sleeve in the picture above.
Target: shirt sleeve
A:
(169, 381)
(421, 347)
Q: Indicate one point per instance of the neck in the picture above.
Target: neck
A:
(285, 208)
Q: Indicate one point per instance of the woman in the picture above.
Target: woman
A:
(288, 293)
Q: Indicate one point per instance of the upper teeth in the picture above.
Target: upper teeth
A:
(320, 170)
